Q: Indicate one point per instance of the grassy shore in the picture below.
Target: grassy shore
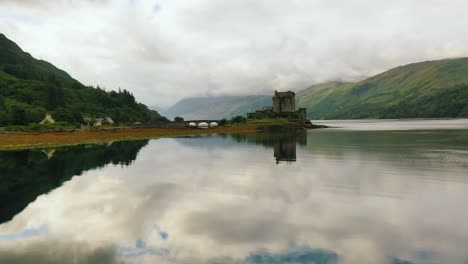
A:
(55, 139)
(29, 140)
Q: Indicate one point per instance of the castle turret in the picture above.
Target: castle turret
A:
(284, 102)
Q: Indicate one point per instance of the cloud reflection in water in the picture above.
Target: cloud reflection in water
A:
(196, 200)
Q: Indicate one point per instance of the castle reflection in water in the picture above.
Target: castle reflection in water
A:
(282, 141)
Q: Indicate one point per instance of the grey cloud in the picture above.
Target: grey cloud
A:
(49, 3)
(48, 253)
(232, 227)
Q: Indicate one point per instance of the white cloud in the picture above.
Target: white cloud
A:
(165, 50)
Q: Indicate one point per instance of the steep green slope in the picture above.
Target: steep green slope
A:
(311, 96)
(217, 107)
(22, 65)
(30, 88)
(426, 89)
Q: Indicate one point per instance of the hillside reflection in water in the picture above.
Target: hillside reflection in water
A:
(348, 197)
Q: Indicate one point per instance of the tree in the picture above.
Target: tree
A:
(16, 70)
(238, 120)
(68, 115)
(4, 118)
(34, 114)
(55, 97)
(52, 79)
(178, 119)
(77, 85)
(18, 116)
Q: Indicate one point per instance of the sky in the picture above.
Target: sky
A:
(166, 50)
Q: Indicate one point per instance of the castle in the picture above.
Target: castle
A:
(284, 106)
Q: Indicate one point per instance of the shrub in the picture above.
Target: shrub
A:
(178, 119)
(238, 120)
(56, 127)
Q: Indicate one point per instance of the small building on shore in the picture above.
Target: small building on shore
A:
(47, 120)
(103, 121)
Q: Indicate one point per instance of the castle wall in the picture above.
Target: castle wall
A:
(276, 104)
(287, 104)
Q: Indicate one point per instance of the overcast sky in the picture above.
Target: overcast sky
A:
(165, 50)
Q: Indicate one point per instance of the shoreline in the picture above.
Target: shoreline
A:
(33, 140)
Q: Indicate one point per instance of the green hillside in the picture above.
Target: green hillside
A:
(309, 97)
(426, 89)
(217, 107)
(30, 88)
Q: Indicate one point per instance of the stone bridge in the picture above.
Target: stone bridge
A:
(196, 123)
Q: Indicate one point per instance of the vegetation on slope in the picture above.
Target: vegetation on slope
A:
(31, 88)
(312, 96)
(426, 89)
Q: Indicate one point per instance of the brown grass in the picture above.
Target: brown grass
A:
(53, 139)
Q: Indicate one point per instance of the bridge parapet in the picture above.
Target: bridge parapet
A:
(178, 124)
(196, 123)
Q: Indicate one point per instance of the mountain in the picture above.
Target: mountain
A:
(217, 107)
(431, 89)
(30, 88)
(420, 90)
(157, 108)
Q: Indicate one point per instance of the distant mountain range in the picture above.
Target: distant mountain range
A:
(430, 89)
(217, 107)
(31, 88)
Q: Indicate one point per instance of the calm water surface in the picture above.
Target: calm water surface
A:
(363, 192)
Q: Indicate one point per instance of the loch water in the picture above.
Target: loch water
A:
(364, 191)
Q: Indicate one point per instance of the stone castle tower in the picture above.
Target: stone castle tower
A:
(284, 102)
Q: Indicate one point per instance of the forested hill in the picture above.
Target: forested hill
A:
(420, 90)
(31, 88)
